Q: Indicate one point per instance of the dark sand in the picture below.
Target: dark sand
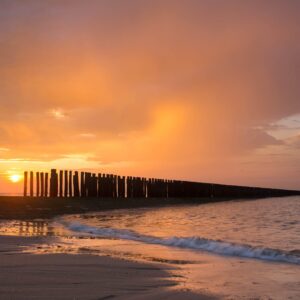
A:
(38, 207)
(66, 276)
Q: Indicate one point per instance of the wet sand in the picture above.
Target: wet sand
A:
(67, 276)
(28, 208)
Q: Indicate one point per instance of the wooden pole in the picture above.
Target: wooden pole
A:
(66, 184)
(25, 183)
(76, 184)
(70, 184)
(99, 185)
(95, 185)
(46, 184)
(61, 176)
(42, 184)
(87, 179)
(110, 186)
(82, 185)
(115, 189)
(104, 185)
(53, 183)
(31, 184)
(120, 187)
(128, 186)
(37, 184)
(123, 186)
(149, 195)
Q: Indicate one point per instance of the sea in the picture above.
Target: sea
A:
(241, 249)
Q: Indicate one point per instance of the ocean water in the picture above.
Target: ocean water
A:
(266, 229)
(250, 248)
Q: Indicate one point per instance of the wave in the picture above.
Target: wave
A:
(195, 243)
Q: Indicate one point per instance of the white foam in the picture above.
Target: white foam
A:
(195, 243)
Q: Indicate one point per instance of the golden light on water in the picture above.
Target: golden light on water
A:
(15, 178)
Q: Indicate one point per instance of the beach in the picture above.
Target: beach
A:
(70, 276)
(245, 249)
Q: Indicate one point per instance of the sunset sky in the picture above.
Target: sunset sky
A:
(197, 90)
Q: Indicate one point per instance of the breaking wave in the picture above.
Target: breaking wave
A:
(194, 242)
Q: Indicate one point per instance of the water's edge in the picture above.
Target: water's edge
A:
(193, 242)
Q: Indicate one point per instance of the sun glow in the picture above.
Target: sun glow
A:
(15, 178)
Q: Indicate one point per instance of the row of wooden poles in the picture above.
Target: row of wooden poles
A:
(86, 184)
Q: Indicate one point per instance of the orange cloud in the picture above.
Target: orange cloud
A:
(187, 89)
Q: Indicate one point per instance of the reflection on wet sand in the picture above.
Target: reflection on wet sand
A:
(33, 228)
(30, 228)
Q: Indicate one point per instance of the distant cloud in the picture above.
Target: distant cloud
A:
(58, 114)
(87, 135)
(284, 128)
(294, 141)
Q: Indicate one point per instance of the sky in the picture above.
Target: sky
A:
(196, 90)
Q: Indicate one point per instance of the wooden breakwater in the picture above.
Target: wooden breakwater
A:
(91, 185)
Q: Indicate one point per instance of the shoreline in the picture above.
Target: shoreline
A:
(29, 208)
(40, 260)
(81, 276)
(34, 274)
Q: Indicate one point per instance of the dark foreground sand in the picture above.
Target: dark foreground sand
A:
(66, 276)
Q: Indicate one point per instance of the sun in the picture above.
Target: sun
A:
(15, 178)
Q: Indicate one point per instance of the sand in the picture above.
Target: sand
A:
(67, 276)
